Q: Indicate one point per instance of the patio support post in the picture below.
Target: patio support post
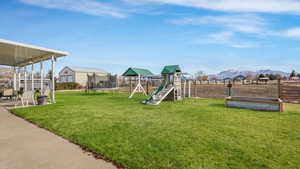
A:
(19, 78)
(25, 78)
(53, 80)
(41, 74)
(32, 77)
(15, 79)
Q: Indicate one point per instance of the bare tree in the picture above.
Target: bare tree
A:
(293, 74)
(199, 75)
(49, 75)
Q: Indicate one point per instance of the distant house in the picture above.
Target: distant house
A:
(79, 74)
(263, 79)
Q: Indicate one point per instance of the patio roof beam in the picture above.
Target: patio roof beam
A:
(15, 79)
(42, 75)
(53, 80)
(25, 78)
(32, 77)
(19, 78)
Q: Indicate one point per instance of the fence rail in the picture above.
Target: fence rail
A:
(221, 90)
(290, 91)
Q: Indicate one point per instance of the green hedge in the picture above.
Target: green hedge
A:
(67, 86)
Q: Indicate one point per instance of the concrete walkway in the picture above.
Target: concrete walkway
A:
(25, 146)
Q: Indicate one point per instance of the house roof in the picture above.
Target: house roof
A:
(137, 71)
(19, 54)
(171, 69)
(87, 70)
(264, 78)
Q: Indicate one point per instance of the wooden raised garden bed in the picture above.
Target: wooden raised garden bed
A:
(264, 104)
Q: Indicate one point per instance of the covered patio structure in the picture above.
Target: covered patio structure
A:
(20, 56)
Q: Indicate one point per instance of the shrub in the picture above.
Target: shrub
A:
(67, 86)
(293, 74)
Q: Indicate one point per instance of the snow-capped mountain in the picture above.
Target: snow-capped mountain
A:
(274, 72)
(234, 73)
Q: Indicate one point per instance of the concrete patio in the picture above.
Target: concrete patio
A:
(26, 146)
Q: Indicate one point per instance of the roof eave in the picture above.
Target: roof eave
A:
(47, 53)
(56, 52)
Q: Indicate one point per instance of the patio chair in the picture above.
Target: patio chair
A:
(27, 97)
(20, 92)
(47, 93)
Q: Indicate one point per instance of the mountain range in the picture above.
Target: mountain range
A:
(234, 73)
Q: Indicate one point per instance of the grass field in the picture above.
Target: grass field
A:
(190, 134)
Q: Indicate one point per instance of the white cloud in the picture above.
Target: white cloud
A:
(293, 33)
(287, 33)
(226, 38)
(269, 6)
(248, 23)
(244, 45)
(245, 23)
(84, 6)
(222, 37)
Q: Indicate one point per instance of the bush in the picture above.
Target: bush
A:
(67, 86)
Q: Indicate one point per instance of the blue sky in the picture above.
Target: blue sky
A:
(207, 35)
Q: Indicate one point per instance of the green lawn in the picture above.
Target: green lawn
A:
(193, 134)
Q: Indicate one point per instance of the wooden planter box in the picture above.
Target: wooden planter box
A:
(264, 104)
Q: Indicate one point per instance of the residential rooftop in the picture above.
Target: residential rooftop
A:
(87, 70)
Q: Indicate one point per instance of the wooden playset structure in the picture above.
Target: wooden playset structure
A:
(170, 90)
(138, 73)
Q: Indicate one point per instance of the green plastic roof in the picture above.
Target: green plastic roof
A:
(137, 71)
(171, 69)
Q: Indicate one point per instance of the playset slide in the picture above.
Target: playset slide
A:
(158, 95)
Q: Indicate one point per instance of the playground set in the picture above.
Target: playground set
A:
(171, 86)
(170, 89)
